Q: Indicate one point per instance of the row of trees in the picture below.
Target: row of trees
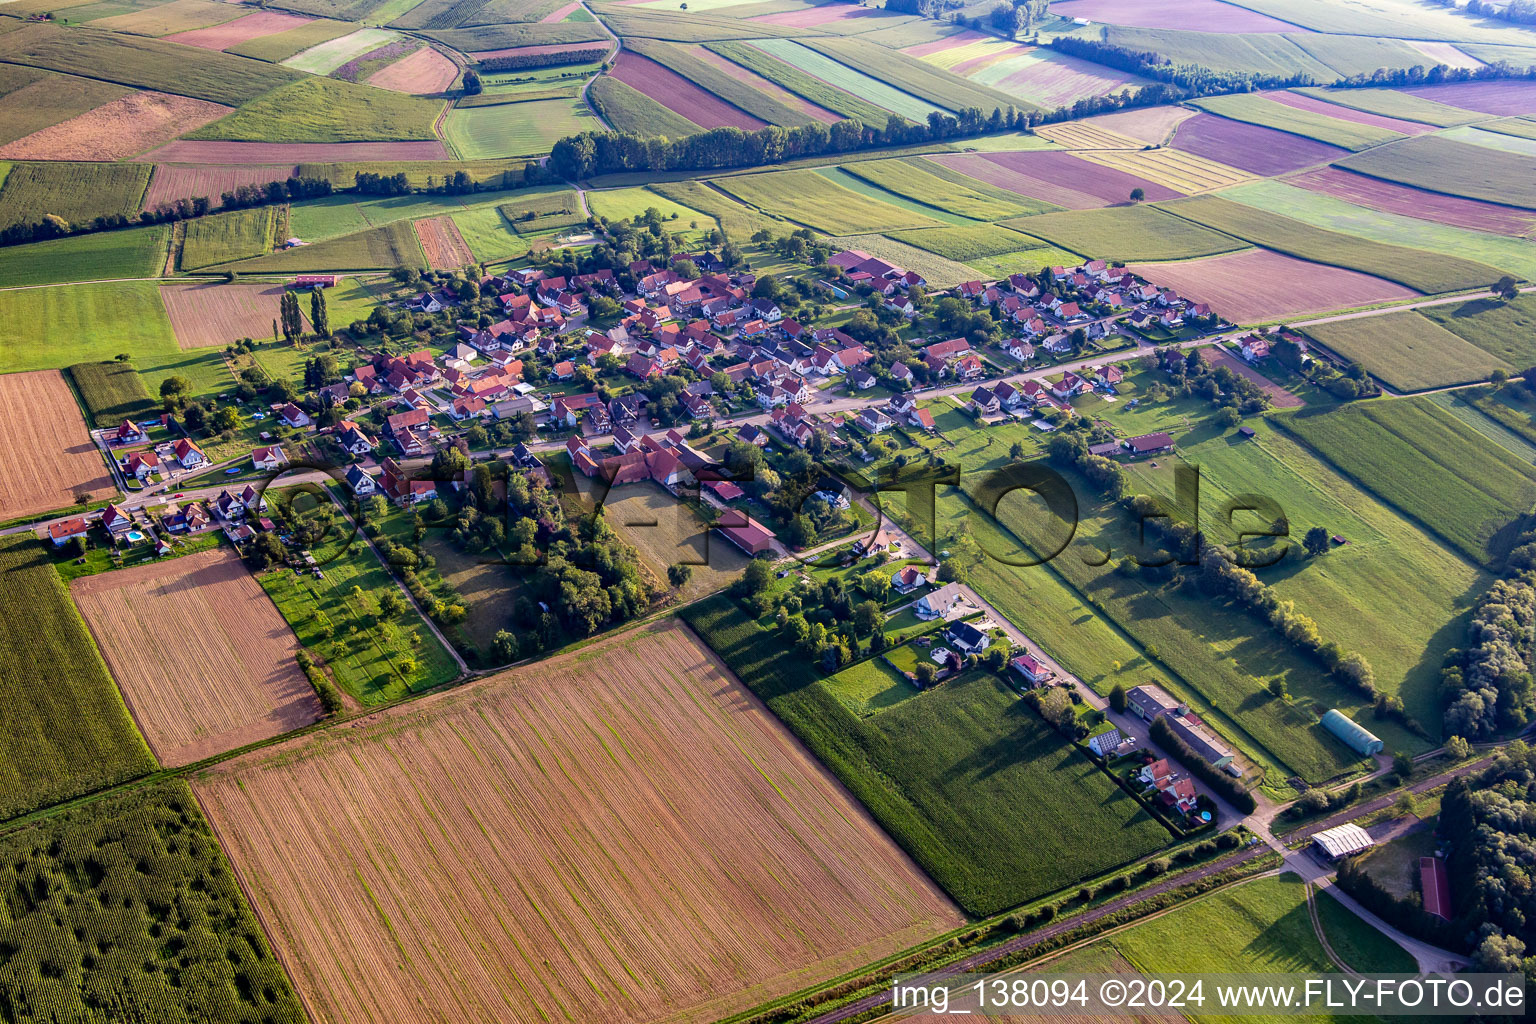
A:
(1488, 687)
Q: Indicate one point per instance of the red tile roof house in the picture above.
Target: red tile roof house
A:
(140, 465)
(293, 416)
(1031, 668)
(128, 432)
(189, 454)
(116, 521)
(1157, 771)
(745, 532)
(1149, 444)
(269, 458)
(908, 579)
(63, 532)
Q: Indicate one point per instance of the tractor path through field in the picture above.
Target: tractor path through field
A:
(618, 48)
(1322, 935)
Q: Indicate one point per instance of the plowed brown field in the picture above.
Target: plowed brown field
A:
(424, 72)
(49, 454)
(1256, 285)
(116, 130)
(206, 315)
(444, 247)
(624, 833)
(204, 660)
(187, 181)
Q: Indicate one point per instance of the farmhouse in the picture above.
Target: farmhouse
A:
(141, 465)
(938, 603)
(1149, 444)
(269, 458)
(116, 521)
(63, 532)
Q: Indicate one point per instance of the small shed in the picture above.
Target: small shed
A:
(1352, 733)
(1342, 841)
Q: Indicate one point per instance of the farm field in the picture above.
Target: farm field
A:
(810, 88)
(1041, 175)
(209, 314)
(1355, 591)
(423, 73)
(1408, 351)
(52, 456)
(1499, 252)
(679, 95)
(1506, 142)
(1456, 168)
(111, 392)
(1172, 168)
(222, 237)
(141, 873)
(1250, 147)
(631, 203)
(629, 110)
(870, 687)
(978, 241)
(1422, 271)
(909, 74)
(762, 837)
(912, 179)
(1495, 97)
(814, 200)
(1311, 104)
(844, 77)
(1390, 197)
(1256, 285)
(373, 658)
(1268, 113)
(488, 234)
(516, 130)
(77, 192)
(923, 769)
(1210, 15)
(769, 100)
(65, 730)
(1084, 135)
(382, 248)
(241, 30)
(1152, 126)
(167, 18)
(540, 213)
(844, 178)
(1440, 472)
(171, 182)
(32, 99)
(1128, 233)
(741, 221)
(1048, 79)
(1023, 261)
(326, 57)
(1520, 127)
(184, 151)
(677, 536)
(322, 110)
(142, 62)
(1505, 330)
(442, 244)
(939, 271)
(1395, 103)
(92, 257)
(203, 660)
(279, 46)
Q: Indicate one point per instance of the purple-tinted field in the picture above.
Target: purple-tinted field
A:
(188, 181)
(816, 15)
(1251, 147)
(1497, 97)
(1058, 178)
(1256, 285)
(1317, 106)
(1391, 197)
(183, 151)
(1201, 15)
(679, 95)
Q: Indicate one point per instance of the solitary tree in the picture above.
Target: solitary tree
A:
(317, 313)
(1138, 194)
(1117, 699)
(1506, 288)
(1315, 541)
(679, 574)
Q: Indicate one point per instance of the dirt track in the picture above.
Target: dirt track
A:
(204, 661)
(623, 833)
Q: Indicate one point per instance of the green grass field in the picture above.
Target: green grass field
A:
(1127, 233)
(631, 204)
(129, 901)
(546, 210)
(1335, 131)
(385, 248)
(328, 110)
(326, 57)
(101, 321)
(1423, 271)
(488, 234)
(629, 110)
(1505, 330)
(994, 805)
(1395, 103)
(518, 129)
(103, 256)
(812, 199)
(1244, 53)
(375, 661)
(1514, 255)
(968, 244)
(785, 74)
(112, 392)
(1430, 465)
(965, 185)
(1408, 351)
(857, 83)
(142, 62)
(1444, 165)
(1258, 927)
(281, 45)
(224, 237)
(939, 272)
(910, 75)
(711, 79)
(871, 686)
(843, 178)
(77, 192)
(735, 219)
(65, 730)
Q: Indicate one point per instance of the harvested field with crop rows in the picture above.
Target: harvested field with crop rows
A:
(203, 659)
(50, 454)
(1150, 125)
(185, 151)
(1301, 101)
(209, 314)
(444, 247)
(1257, 285)
(622, 833)
(1496, 97)
(1042, 175)
(1176, 169)
(187, 181)
(1391, 197)
(241, 30)
(1251, 147)
(423, 73)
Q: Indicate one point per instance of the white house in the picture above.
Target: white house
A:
(269, 458)
(938, 603)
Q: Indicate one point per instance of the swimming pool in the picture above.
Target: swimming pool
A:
(135, 536)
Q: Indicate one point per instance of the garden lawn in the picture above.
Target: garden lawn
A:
(1505, 330)
(1128, 233)
(1433, 467)
(1413, 268)
(102, 256)
(100, 321)
(991, 802)
(870, 686)
(1516, 256)
(65, 730)
(1408, 351)
(812, 199)
(517, 129)
(328, 110)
